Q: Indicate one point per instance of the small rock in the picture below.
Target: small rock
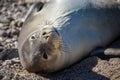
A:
(4, 9)
(1, 48)
(5, 27)
(4, 34)
(16, 44)
(1, 25)
(7, 62)
(8, 54)
(15, 60)
(4, 20)
(1, 32)
(19, 23)
(9, 76)
(1, 62)
(21, 2)
(15, 32)
(1, 39)
(8, 40)
(10, 18)
(1, 77)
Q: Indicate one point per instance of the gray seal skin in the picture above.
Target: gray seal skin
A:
(65, 31)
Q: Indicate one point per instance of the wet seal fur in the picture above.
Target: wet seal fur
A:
(65, 31)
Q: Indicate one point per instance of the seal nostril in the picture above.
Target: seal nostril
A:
(46, 37)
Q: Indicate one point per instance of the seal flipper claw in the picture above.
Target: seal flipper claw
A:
(105, 53)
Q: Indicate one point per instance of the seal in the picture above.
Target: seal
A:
(65, 31)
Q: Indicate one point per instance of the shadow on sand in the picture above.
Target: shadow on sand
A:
(82, 70)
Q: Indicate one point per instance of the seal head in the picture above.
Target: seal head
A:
(41, 50)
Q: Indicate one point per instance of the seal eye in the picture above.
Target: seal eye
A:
(33, 37)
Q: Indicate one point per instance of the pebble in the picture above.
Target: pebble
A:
(1, 25)
(19, 23)
(7, 62)
(16, 44)
(21, 2)
(1, 62)
(4, 20)
(1, 39)
(4, 34)
(15, 60)
(1, 48)
(8, 40)
(1, 32)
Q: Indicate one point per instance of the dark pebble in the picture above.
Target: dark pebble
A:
(15, 32)
(4, 34)
(1, 48)
(8, 54)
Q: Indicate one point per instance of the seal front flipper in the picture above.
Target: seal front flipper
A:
(37, 5)
(105, 53)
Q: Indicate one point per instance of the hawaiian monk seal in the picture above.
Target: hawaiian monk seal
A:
(65, 31)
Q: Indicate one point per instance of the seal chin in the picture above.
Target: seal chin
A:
(41, 51)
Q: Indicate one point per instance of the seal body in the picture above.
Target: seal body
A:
(65, 31)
